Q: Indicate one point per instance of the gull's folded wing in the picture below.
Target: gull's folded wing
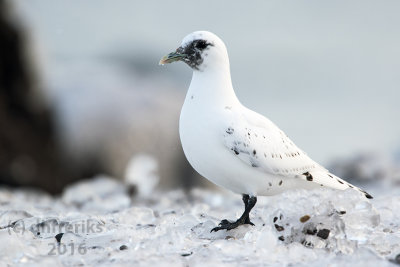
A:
(261, 144)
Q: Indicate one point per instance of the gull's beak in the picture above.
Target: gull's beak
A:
(171, 57)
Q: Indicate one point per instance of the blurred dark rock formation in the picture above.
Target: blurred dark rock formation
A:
(29, 154)
(41, 148)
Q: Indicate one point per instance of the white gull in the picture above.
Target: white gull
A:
(231, 145)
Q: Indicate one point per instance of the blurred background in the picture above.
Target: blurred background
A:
(82, 94)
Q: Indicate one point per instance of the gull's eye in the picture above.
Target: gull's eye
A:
(201, 44)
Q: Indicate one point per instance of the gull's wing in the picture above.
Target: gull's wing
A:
(261, 144)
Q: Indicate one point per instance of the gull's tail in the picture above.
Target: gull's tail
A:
(324, 178)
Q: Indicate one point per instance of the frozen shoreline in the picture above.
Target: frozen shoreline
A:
(102, 225)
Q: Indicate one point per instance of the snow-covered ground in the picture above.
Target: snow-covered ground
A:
(98, 223)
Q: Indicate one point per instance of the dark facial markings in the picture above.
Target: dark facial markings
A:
(194, 52)
(200, 44)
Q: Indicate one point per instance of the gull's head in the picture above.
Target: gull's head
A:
(200, 50)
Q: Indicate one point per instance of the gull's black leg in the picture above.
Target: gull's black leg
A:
(249, 203)
(245, 199)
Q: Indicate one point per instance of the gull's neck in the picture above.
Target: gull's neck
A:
(213, 85)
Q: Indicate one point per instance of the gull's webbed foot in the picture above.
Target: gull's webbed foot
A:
(226, 225)
(249, 203)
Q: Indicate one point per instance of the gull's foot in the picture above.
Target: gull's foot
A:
(249, 203)
(227, 225)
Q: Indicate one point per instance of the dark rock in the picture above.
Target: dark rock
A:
(323, 233)
(30, 151)
(186, 254)
(59, 236)
(307, 244)
(279, 228)
(123, 247)
(304, 218)
(310, 229)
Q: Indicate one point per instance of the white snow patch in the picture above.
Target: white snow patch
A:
(101, 225)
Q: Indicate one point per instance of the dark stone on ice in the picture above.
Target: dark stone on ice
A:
(279, 228)
(323, 233)
(304, 218)
(310, 229)
(123, 247)
(186, 254)
(58, 237)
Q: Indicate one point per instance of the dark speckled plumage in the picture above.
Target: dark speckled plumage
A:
(194, 52)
